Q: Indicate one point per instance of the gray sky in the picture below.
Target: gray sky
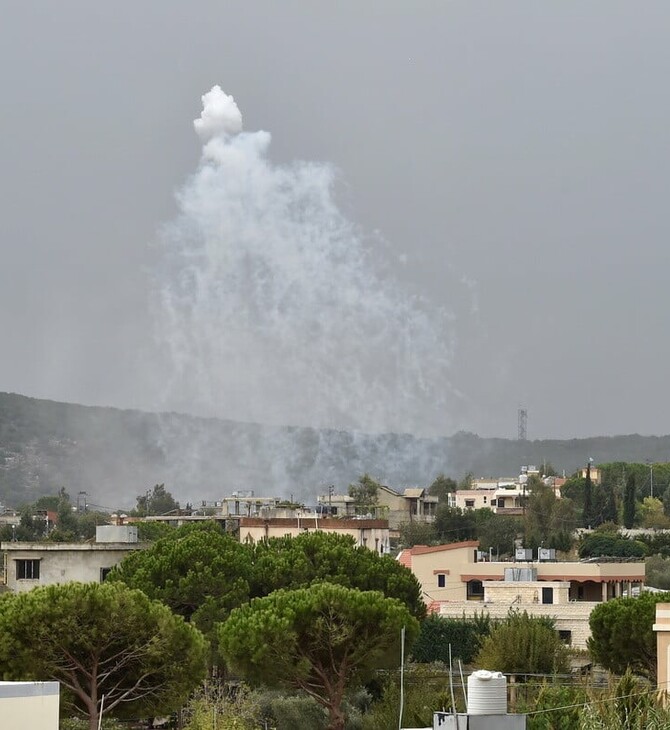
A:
(512, 157)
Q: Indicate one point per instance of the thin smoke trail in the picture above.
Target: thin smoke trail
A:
(271, 309)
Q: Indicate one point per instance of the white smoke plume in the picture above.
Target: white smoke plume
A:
(270, 305)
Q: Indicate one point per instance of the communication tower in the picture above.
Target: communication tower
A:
(523, 421)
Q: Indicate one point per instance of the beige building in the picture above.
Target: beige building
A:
(413, 504)
(455, 582)
(29, 705)
(505, 498)
(30, 564)
(373, 534)
(662, 629)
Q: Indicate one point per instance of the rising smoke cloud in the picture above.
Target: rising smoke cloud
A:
(270, 305)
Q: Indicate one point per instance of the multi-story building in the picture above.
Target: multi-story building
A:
(456, 582)
(30, 564)
(413, 504)
(503, 495)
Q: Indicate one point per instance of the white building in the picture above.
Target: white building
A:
(29, 705)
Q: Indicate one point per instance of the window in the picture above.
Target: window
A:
(27, 569)
(565, 636)
(441, 580)
(104, 572)
(475, 590)
(547, 595)
(469, 502)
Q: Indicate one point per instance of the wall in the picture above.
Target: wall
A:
(573, 617)
(524, 592)
(29, 705)
(373, 534)
(63, 562)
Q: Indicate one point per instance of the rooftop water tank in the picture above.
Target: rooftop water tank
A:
(487, 693)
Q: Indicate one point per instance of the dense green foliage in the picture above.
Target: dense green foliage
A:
(597, 544)
(622, 636)
(365, 493)
(156, 501)
(438, 633)
(100, 639)
(322, 640)
(629, 502)
(523, 644)
(548, 521)
(321, 556)
(657, 572)
(201, 573)
(441, 487)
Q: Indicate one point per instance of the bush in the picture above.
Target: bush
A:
(657, 570)
(464, 635)
(523, 644)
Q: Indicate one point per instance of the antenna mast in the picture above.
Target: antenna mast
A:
(523, 421)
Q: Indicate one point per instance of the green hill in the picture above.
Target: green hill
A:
(114, 455)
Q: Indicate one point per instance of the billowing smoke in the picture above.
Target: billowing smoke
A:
(272, 306)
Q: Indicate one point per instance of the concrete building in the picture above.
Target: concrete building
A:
(373, 534)
(662, 629)
(30, 564)
(29, 705)
(413, 504)
(454, 582)
(503, 495)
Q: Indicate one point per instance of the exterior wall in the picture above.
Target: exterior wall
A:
(490, 483)
(449, 561)
(525, 592)
(62, 562)
(480, 498)
(662, 629)
(373, 534)
(29, 705)
(572, 617)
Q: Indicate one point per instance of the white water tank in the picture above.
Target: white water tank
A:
(487, 693)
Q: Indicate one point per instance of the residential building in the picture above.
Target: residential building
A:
(413, 504)
(595, 473)
(503, 495)
(30, 564)
(455, 581)
(373, 534)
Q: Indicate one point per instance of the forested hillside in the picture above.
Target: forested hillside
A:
(114, 455)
